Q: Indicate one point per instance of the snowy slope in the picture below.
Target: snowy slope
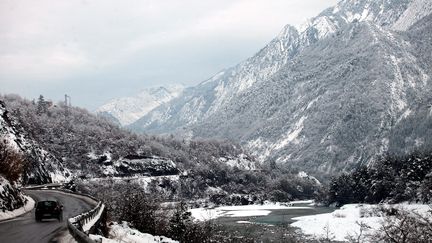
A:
(43, 166)
(129, 109)
(417, 10)
(413, 130)
(333, 106)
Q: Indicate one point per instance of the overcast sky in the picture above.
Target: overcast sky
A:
(95, 50)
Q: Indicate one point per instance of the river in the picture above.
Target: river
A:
(264, 223)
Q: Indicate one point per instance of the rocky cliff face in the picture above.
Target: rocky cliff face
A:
(10, 197)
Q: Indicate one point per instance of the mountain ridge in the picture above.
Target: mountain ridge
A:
(237, 102)
(266, 62)
(286, 128)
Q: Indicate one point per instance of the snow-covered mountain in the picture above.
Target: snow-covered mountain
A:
(334, 105)
(127, 110)
(197, 103)
(323, 96)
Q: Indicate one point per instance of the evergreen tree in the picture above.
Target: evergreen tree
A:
(180, 221)
(42, 105)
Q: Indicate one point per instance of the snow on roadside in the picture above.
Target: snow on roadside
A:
(123, 233)
(346, 221)
(19, 211)
(203, 214)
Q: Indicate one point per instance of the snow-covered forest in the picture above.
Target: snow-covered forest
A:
(91, 147)
(395, 180)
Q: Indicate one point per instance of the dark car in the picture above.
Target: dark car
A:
(50, 209)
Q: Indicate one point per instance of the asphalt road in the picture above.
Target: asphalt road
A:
(25, 229)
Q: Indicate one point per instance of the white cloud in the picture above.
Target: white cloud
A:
(59, 40)
(45, 64)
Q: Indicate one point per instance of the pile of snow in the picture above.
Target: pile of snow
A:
(123, 233)
(346, 221)
(204, 214)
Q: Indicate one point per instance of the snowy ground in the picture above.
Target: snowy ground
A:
(346, 221)
(19, 211)
(203, 214)
(123, 233)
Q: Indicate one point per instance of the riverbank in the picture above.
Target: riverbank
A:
(353, 220)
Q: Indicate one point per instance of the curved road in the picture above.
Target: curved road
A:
(25, 229)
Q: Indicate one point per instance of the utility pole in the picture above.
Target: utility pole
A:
(67, 98)
(66, 122)
(67, 104)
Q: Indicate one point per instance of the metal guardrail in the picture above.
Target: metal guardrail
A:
(76, 224)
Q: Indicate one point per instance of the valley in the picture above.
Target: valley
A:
(323, 135)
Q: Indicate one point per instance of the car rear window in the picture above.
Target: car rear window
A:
(47, 204)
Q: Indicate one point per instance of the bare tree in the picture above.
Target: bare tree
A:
(328, 235)
(360, 236)
(11, 162)
(405, 226)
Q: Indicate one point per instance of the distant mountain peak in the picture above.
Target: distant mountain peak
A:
(287, 31)
(127, 110)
